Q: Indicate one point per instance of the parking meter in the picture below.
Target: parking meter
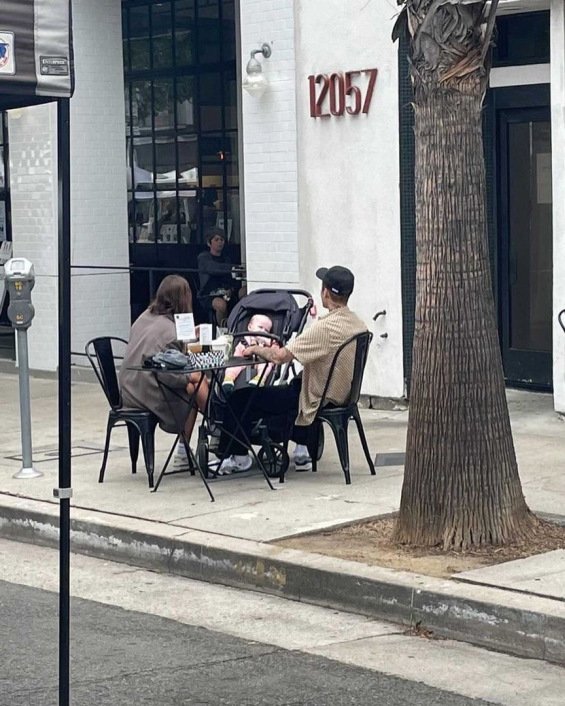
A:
(20, 280)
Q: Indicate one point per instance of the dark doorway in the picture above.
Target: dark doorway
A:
(525, 236)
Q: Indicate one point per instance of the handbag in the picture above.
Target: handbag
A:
(171, 359)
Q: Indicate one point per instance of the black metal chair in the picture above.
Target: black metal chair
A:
(338, 417)
(139, 423)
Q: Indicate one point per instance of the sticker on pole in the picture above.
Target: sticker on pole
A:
(7, 58)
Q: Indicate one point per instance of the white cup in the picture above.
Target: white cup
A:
(205, 334)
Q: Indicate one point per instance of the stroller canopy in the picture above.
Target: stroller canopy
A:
(279, 305)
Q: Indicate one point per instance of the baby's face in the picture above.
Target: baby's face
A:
(259, 325)
(260, 328)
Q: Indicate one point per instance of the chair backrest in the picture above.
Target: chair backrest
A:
(100, 353)
(361, 342)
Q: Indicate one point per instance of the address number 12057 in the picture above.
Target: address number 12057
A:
(338, 93)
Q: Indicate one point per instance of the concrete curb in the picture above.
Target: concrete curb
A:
(499, 619)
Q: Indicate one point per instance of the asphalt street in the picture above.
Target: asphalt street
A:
(125, 657)
(142, 637)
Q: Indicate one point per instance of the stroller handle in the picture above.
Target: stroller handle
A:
(258, 334)
(301, 292)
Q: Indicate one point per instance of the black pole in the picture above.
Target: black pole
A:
(63, 492)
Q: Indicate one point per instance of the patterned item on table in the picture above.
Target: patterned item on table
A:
(212, 359)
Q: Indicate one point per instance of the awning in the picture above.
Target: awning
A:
(36, 59)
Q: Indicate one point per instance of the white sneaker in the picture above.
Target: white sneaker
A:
(302, 460)
(180, 459)
(235, 464)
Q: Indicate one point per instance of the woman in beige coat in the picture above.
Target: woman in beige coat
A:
(154, 331)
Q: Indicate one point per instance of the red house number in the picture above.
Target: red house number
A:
(339, 93)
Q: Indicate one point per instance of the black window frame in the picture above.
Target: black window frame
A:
(225, 135)
(520, 29)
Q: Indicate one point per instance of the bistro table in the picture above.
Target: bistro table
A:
(214, 374)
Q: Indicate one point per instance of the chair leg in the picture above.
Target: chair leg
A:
(109, 427)
(312, 445)
(364, 444)
(171, 452)
(148, 444)
(133, 436)
(339, 428)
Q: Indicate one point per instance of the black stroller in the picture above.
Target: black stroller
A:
(289, 317)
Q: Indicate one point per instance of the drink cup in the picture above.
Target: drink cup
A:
(205, 334)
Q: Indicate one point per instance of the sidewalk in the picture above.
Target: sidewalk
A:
(178, 529)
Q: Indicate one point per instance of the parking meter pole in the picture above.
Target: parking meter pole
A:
(20, 280)
(27, 470)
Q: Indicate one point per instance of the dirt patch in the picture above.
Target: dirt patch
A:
(370, 542)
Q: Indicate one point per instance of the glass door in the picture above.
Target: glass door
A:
(525, 245)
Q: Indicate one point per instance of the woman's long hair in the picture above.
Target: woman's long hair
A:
(173, 297)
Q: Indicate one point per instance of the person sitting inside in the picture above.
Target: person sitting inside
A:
(258, 323)
(315, 349)
(153, 332)
(217, 284)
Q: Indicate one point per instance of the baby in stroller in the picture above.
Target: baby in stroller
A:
(258, 323)
(273, 316)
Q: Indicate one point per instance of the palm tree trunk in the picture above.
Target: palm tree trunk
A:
(461, 484)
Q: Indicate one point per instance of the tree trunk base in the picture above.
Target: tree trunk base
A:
(463, 534)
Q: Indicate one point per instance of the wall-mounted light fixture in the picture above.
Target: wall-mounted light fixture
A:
(254, 81)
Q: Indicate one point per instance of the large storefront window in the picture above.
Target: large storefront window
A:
(181, 117)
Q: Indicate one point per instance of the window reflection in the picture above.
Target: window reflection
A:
(185, 33)
(209, 32)
(139, 43)
(161, 26)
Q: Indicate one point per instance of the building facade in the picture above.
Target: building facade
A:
(316, 170)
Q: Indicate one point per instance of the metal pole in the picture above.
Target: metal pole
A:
(27, 470)
(63, 492)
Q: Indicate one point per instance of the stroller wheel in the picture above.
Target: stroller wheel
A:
(275, 460)
(203, 456)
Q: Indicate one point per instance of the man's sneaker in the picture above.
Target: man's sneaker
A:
(302, 463)
(302, 460)
(180, 459)
(235, 464)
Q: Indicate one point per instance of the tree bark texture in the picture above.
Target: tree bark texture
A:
(461, 485)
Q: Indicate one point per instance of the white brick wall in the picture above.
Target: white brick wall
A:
(33, 173)
(100, 301)
(99, 199)
(349, 204)
(270, 152)
(323, 192)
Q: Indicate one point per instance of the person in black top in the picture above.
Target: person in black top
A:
(216, 276)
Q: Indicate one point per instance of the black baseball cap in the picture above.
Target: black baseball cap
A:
(337, 279)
